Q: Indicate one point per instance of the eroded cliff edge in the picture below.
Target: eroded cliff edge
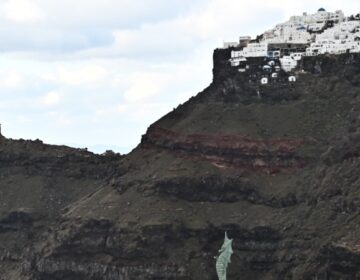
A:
(275, 165)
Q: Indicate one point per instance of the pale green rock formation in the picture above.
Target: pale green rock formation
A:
(224, 258)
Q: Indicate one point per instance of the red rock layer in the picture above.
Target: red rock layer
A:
(238, 151)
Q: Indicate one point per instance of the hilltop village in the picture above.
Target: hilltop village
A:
(287, 43)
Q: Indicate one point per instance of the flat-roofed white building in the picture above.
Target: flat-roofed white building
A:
(230, 44)
(255, 50)
(244, 41)
(252, 50)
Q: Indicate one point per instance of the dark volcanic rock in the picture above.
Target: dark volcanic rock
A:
(38, 183)
(276, 166)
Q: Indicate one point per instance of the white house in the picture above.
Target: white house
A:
(230, 44)
(254, 50)
(292, 79)
(288, 63)
(236, 59)
(264, 81)
(297, 56)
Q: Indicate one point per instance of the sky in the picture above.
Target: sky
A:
(97, 73)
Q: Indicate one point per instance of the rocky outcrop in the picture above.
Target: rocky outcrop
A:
(38, 182)
(270, 155)
(34, 157)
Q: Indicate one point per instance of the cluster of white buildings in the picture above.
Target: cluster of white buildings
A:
(343, 37)
(307, 35)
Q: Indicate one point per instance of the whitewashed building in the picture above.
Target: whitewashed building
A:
(296, 30)
(309, 34)
(264, 81)
(288, 63)
(292, 79)
(252, 50)
(343, 37)
(230, 44)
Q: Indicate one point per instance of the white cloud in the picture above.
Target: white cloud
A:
(11, 79)
(110, 111)
(52, 98)
(22, 11)
(145, 85)
(63, 121)
(87, 75)
(110, 13)
(23, 119)
(150, 111)
(49, 28)
(75, 75)
(59, 118)
(174, 37)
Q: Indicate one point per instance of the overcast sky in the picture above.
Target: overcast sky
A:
(97, 73)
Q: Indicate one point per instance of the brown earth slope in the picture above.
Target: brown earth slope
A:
(276, 166)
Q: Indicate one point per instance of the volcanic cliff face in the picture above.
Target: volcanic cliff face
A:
(276, 166)
(38, 183)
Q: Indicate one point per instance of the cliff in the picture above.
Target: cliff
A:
(38, 183)
(275, 165)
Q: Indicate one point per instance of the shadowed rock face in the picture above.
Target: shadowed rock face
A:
(276, 166)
